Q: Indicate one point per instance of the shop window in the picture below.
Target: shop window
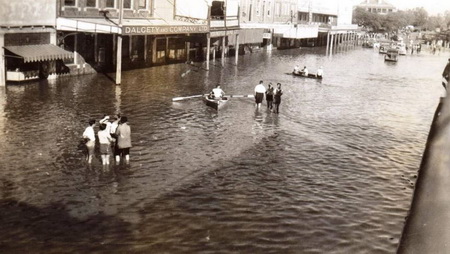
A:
(258, 6)
(217, 10)
(277, 9)
(110, 4)
(91, 3)
(70, 2)
(127, 4)
(142, 4)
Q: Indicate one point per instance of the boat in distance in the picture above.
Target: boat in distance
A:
(216, 104)
(310, 75)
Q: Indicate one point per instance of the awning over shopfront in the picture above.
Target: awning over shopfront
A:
(44, 52)
(248, 36)
(298, 32)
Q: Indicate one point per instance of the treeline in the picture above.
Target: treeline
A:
(393, 21)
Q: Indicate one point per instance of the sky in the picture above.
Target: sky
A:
(433, 7)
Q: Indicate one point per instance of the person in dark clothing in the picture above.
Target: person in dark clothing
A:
(446, 74)
(269, 96)
(277, 98)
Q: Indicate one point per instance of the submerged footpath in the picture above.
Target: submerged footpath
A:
(427, 227)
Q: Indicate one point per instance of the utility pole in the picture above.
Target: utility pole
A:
(208, 35)
(119, 46)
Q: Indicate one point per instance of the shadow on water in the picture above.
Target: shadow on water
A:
(50, 229)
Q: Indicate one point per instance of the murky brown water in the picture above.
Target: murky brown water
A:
(332, 173)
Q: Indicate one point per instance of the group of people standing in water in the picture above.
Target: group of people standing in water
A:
(113, 136)
(273, 96)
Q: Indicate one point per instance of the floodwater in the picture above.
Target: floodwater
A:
(332, 173)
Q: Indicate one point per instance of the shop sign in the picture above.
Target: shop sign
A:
(267, 35)
(149, 30)
(223, 33)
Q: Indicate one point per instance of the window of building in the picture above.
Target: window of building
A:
(70, 2)
(110, 4)
(142, 4)
(217, 10)
(268, 9)
(258, 7)
(277, 9)
(91, 3)
(127, 4)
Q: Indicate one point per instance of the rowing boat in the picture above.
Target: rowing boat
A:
(310, 75)
(215, 103)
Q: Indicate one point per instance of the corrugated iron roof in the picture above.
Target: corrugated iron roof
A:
(43, 52)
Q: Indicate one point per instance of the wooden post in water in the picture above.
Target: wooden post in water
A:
(188, 50)
(328, 43)
(223, 51)
(119, 47)
(237, 49)
(331, 44)
(208, 49)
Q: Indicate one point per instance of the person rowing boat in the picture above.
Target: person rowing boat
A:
(216, 93)
(319, 72)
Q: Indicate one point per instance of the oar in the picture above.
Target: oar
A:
(241, 96)
(187, 97)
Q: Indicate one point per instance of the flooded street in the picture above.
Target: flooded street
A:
(332, 173)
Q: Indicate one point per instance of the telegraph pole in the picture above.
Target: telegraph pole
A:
(208, 35)
(119, 47)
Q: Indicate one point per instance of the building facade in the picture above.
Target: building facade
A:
(88, 36)
(151, 32)
(333, 19)
(28, 39)
(377, 6)
(277, 20)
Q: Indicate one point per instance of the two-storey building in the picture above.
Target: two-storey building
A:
(132, 33)
(274, 21)
(28, 40)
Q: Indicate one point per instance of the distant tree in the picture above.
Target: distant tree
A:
(420, 17)
(434, 22)
(394, 21)
(447, 19)
(366, 19)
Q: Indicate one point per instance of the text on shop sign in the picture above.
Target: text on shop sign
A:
(142, 30)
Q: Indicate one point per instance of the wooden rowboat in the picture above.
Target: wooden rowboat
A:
(216, 104)
(310, 75)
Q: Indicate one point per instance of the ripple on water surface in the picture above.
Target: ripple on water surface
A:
(332, 173)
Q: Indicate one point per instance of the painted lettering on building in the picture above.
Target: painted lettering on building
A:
(149, 30)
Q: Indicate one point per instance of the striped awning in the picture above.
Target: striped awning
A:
(36, 53)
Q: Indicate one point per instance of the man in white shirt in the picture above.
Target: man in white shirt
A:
(218, 92)
(319, 72)
(305, 71)
(260, 90)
